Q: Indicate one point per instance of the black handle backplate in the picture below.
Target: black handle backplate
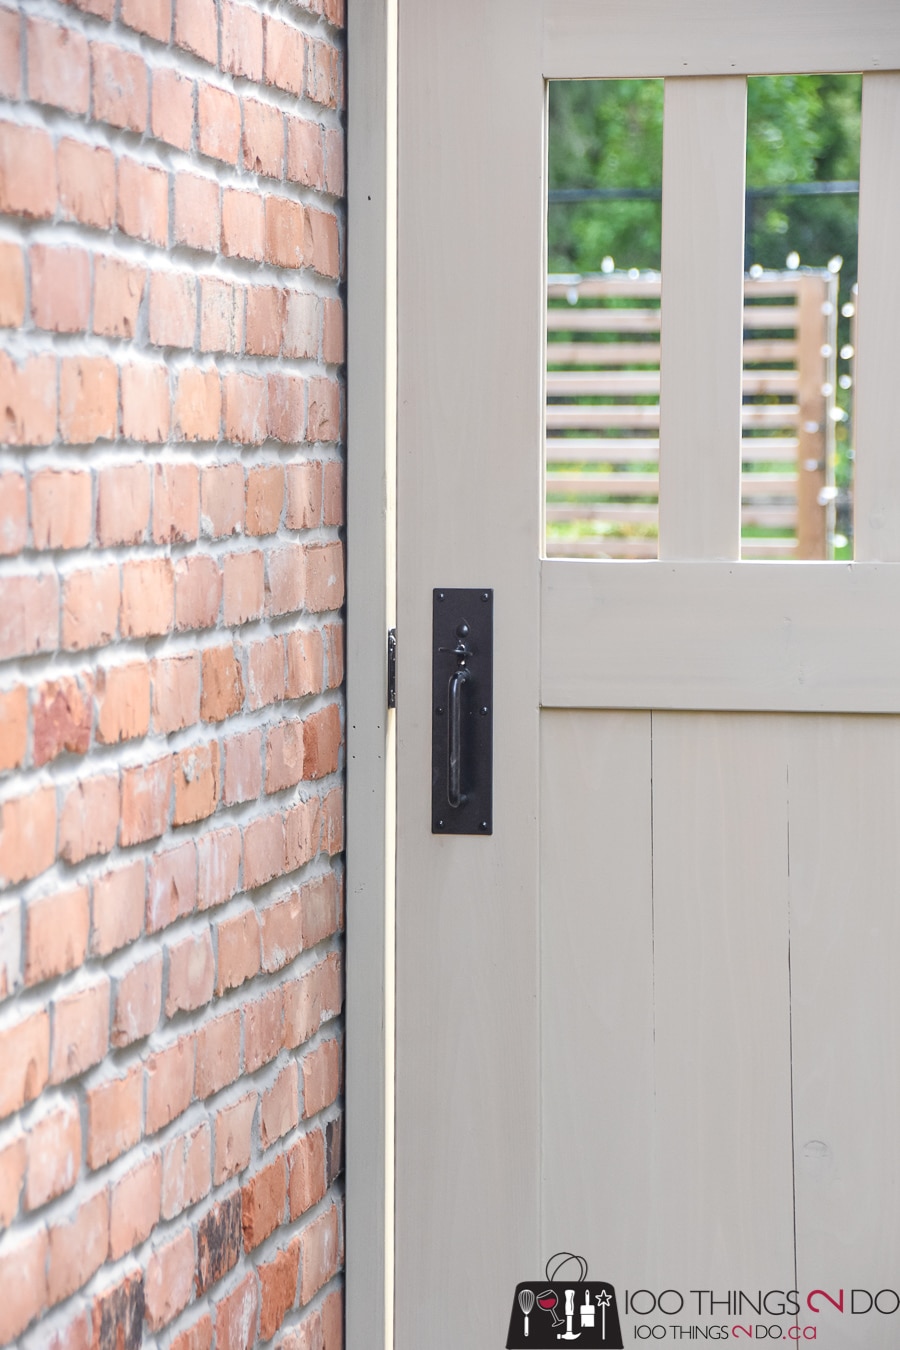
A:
(462, 711)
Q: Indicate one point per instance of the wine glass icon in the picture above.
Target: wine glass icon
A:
(548, 1301)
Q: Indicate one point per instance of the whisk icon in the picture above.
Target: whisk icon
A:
(526, 1303)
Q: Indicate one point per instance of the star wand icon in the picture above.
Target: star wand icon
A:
(603, 1302)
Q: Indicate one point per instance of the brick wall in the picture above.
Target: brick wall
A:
(171, 581)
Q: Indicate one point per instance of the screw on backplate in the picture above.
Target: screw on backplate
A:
(439, 711)
(440, 595)
(440, 824)
(484, 824)
(485, 595)
(484, 712)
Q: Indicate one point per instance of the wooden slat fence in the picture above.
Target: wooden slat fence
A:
(602, 421)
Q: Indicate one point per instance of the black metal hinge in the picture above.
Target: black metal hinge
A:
(392, 668)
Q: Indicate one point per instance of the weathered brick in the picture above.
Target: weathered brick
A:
(306, 159)
(90, 607)
(219, 123)
(88, 399)
(11, 54)
(12, 1174)
(196, 28)
(312, 1000)
(56, 934)
(176, 688)
(324, 418)
(28, 415)
(54, 1154)
(324, 577)
(238, 944)
(289, 238)
(148, 597)
(134, 1202)
(198, 592)
(304, 494)
(61, 509)
(222, 500)
(263, 1032)
(62, 716)
(87, 183)
(263, 1203)
(172, 107)
(13, 728)
(285, 755)
(25, 1055)
(80, 1029)
(197, 222)
(117, 1314)
(198, 405)
(192, 973)
(169, 1083)
(285, 56)
(279, 1109)
(302, 832)
(219, 856)
(305, 663)
(90, 818)
(334, 161)
(171, 886)
(322, 739)
(306, 1170)
(169, 1280)
(319, 1253)
(244, 587)
(236, 1316)
(12, 269)
(319, 909)
(172, 313)
(146, 793)
(143, 201)
(27, 172)
(23, 1282)
(145, 402)
(118, 291)
(218, 1054)
(234, 1127)
(281, 930)
(115, 1110)
(242, 40)
(265, 320)
(302, 324)
(123, 504)
(153, 17)
(223, 685)
(321, 1077)
(263, 850)
(263, 139)
(120, 86)
(242, 778)
(186, 1170)
(278, 1289)
(118, 908)
(27, 835)
(333, 332)
(60, 288)
(137, 1008)
(218, 1242)
(221, 315)
(243, 225)
(123, 702)
(286, 579)
(246, 408)
(176, 505)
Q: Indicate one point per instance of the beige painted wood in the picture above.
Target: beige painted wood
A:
(583, 39)
(877, 466)
(845, 947)
(704, 135)
(803, 637)
(814, 427)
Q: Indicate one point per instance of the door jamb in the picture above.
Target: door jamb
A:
(371, 589)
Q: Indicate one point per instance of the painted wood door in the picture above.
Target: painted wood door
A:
(653, 1019)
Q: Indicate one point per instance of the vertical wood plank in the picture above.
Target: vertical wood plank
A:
(812, 445)
(877, 464)
(704, 152)
(722, 1164)
(597, 974)
(845, 951)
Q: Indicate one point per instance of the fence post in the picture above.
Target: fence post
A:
(815, 330)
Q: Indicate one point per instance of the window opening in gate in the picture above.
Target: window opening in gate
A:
(603, 310)
(801, 231)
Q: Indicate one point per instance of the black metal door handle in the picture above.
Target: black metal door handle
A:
(455, 795)
(462, 711)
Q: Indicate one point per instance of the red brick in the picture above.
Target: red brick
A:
(304, 495)
(263, 1035)
(198, 405)
(12, 1168)
(29, 403)
(306, 161)
(146, 793)
(236, 1316)
(305, 664)
(80, 1030)
(286, 581)
(333, 333)
(12, 266)
(138, 1005)
(265, 672)
(118, 290)
(302, 831)
(222, 500)
(62, 716)
(324, 577)
(263, 850)
(134, 1206)
(221, 316)
(172, 314)
(263, 140)
(153, 17)
(176, 689)
(148, 597)
(89, 818)
(27, 172)
(176, 504)
(90, 607)
(334, 1161)
(13, 730)
(218, 1242)
(25, 1055)
(244, 590)
(319, 904)
(287, 407)
(57, 66)
(306, 1170)
(246, 403)
(334, 13)
(243, 225)
(262, 1203)
(196, 783)
(118, 908)
(218, 1054)
(56, 934)
(11, 54)
(326, 246)
(197, 222)
(198, 1336)
(238, 944)
(219, 123)
(285, 53)
(88, 399)
(333, 1307)
(242, 40)
(324, 423)
(198, 592)
(172, 107)
(123, 699)
(172, 886)
(60, 288)
(120, 87)
(334, 639)
(87, 183)
(322, 740)
(27, 835)
(196, 28)
(23, 1282)
(145, 403)
(265, 320)
(76, 1335)
(170, 1081)
(278, 1289)
(61, 509)
(321, 1077)
(312, 1000)
(123, 504)
(282, 938)
(117, 1313)
(334, 161)
(333, 513)
(115, 1110)
(302, 324)
(285, 756)
(243, 767)
(319, 1253)
(333, 833)
(289, 240)
(186, 1170)
(54, 1155)
(234, 1126)
(223, 685)
(143, 202)
(169, 1281)
(279, 1111)
(78, 1247)
(219, 862)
